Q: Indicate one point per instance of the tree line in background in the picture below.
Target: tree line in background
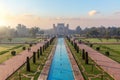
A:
(99, 32)
(19, 31)
(93, 32)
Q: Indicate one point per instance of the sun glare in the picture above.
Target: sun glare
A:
(2, 23)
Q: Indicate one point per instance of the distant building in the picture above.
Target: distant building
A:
(59, 30)
(78, 30)
(22, 31)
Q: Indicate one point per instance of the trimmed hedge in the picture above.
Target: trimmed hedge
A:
(16, 47)
(2, 52)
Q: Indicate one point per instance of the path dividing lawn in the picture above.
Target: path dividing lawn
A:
(20, 40)
(10, 66)
(114, 51)
(5, 54)
(108, 65)
(94, 40)
(6, 47)
(90, 71)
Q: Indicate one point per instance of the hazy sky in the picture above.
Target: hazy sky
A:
(44, 13)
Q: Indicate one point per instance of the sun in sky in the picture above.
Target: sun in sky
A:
(3, 13)
(2, 23)
(1, 20)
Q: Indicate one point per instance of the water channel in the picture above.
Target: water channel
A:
(60, 68)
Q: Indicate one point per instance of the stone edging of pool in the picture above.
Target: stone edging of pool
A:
(76, 71)
(45, 71)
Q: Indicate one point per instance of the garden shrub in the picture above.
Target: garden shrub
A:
(13, 53)
(91, 45)
(24, 48)
(30, 45)
(97, 48)
(107, 53)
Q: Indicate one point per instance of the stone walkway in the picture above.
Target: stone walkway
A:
(8, 67)
(108, 65)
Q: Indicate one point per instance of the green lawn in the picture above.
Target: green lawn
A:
(88, 72)
(35, 68)
(99, 40)
(7, 55)
(113, 49)
(21, 40)
(5, 49)
(6, 46)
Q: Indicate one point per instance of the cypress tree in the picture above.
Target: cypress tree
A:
(83, 54)
(20, 76)
(27, 64)
(40, 50)
(47, 43)
(50, 41)
(80, 42)
(38, 55)
(77, 49)
(34, 57)
(86, 58)
(72, 42)
(76, 46)
(43, 48)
